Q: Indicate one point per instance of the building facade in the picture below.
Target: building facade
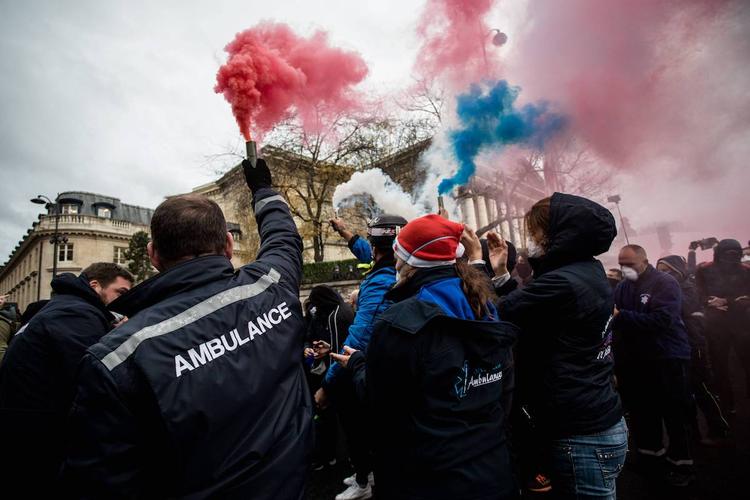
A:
(93, 227)
(230, 192)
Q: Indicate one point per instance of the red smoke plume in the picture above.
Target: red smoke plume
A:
(271, 72)
(641, 79)
(454, 42)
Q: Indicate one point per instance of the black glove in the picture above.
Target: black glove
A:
(257, 177)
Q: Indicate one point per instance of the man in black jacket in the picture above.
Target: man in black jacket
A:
(202, 392)
(648, 317)
(700, 367)
(37, 378)
(724, 290)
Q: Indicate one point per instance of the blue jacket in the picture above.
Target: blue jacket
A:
(202, 393)
(370, 303)
(650, 320)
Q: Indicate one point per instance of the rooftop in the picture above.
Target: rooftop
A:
(89, 202)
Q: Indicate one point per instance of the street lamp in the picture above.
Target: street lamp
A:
(56, 238)
(498, 40)
(615, 198)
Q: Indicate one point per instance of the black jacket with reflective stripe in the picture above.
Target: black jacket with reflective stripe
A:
(202, 392)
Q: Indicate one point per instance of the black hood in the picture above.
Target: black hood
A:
(579, 229)
(70, 284)
(325, 298)
(725, 247)
(676, 263)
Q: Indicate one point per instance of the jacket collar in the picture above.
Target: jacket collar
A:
(420, 278)
(383, 263)
(188, 275)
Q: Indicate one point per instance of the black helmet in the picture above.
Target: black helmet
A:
(382, 230)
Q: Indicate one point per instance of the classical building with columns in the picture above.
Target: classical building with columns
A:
(496, 203)
(93, 228)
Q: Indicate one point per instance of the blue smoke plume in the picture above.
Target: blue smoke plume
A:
(490, 119)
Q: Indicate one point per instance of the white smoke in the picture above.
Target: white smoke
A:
(387, 195)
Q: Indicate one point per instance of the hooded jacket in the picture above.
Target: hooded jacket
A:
(330, 323)
(438, 381)
(37, 381)
(564, 362)
(202, 392)
(728, 280)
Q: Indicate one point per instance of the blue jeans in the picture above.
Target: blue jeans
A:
(587, 466)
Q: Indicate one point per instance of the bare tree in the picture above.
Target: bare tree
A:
(308, 166)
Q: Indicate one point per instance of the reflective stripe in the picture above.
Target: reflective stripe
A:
(185, 318)
(265, 201)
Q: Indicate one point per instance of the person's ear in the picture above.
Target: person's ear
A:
(153, 256)
(95, 285)
(229, 247)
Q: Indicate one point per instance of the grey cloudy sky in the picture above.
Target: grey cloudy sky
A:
(117, 98)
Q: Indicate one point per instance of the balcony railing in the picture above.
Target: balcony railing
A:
(78, 221)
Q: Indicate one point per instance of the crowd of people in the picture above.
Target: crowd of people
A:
(460, 369)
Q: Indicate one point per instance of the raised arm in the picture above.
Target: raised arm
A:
(280, 242)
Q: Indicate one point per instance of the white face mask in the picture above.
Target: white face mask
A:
(533, 248)
(629, 273)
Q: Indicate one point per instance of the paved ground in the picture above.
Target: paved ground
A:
(722, 471)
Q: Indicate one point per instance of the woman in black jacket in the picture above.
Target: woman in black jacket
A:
(437, 374)
(564, 362)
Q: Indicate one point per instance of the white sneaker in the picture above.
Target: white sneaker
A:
(355, 492)
(353, 479)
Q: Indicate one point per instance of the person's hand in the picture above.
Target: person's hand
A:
(498, 253)
(321, 348)
(309, 351)
(122, 321)
(471, 243)
(321, 399)
(719, 303)
(257, 177)
(343, 359)
(3, 299)
(442, 212)
(616, 312)
(338, 225)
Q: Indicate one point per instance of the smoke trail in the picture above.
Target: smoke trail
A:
(658, 90)
(454, 42)
(388, 196)
(272, 72)
(489, 118)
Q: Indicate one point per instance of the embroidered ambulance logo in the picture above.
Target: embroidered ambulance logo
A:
(469, 379)
(645, 298)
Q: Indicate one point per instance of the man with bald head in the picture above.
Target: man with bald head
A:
(648, 320)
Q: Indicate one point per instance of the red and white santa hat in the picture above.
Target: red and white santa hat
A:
(429, 241)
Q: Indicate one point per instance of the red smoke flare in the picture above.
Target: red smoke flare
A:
(272, 72)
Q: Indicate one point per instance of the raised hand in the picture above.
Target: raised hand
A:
(498, 253)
